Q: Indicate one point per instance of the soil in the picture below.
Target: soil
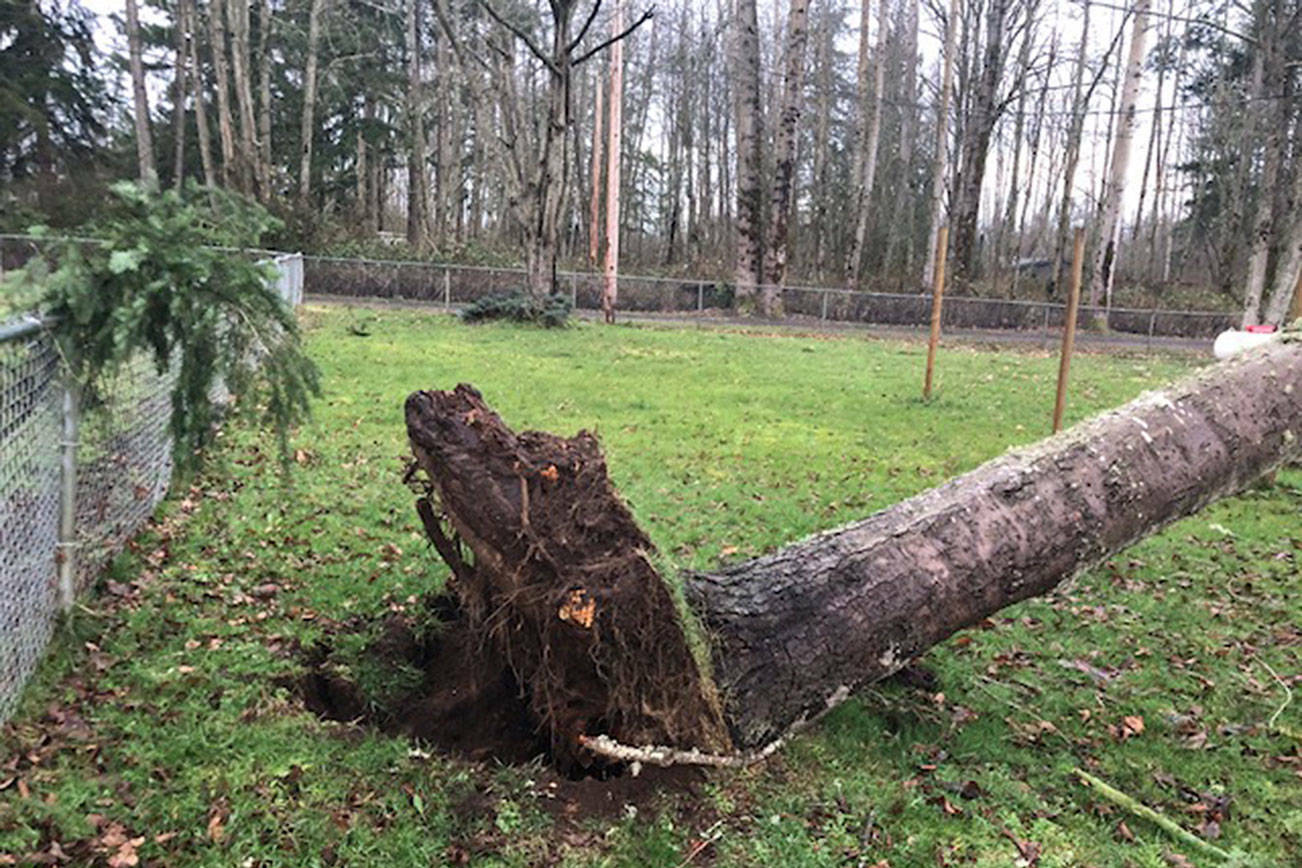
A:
(463, 708)
(468, 703)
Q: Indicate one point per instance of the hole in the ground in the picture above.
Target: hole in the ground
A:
(436, 684)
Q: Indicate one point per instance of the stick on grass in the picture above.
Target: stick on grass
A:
(1139, 809)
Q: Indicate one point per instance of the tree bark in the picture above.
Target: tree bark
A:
(1110, 211)
(190, 20)
(220, 68)
(865, 167)
(614, 155)
(237, 18)
(549, 561)
(307, 124)
(745, 62)
(784, 158)
(974, 144)
(264, 99)
(1268, 118)
(417, 186)
(140, 100)
(178, 100)
(1288, 271)
(594, 205)
(900, 232)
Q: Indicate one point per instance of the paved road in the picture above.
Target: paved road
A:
(811, 325)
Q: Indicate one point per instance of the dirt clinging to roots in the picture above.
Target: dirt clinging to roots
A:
(554, 580)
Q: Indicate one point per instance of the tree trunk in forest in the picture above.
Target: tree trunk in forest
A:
(225, 125)
(974, 145)
(1110, 211)
(190, 20)
(140, 100)
(614, 160)
(417, 176)
(1080, 99)
(362, 209)
(1005, 233)
(307, 124)
(1269, 115)
(539, 181)
(784, 158)
(939, 160)
(1288, 271)
(900, 232)
(264, 100)
(178, 101)
(1159, 234)
(744, 58)
(819, 194)
(554, 573)
(865, 167)
(237, 18)
(594, 205)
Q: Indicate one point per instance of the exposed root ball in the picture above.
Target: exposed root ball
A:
(551, 568)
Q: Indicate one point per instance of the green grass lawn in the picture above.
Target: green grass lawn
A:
(163, 727)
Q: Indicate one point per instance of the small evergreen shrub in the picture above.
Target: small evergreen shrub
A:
(173, 275)
(550, 311)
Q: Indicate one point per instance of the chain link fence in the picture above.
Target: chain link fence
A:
(76, 482)
(453, 285)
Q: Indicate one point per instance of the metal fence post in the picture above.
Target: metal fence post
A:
(447, 286)
(700, 297)
(823, 315)
(1152, 324)
(66, 547)
(574, 292)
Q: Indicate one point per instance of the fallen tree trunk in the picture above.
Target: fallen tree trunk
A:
(550, 565)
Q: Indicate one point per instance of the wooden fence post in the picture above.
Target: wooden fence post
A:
(1069, 329)
(937, 290)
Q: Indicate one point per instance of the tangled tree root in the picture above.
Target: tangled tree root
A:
(552, 570)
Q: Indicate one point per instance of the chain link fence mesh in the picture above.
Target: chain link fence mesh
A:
(122, 470)
(30, 430)
(455, 285)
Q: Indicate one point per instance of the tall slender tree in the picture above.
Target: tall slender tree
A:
(1101, 278)
(140, 99)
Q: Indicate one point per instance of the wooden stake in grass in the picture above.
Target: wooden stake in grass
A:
(1069, 329)
(937, 290)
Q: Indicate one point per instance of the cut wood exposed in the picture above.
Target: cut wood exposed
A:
(552, 569)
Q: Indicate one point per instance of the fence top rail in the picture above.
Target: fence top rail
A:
(21, 327)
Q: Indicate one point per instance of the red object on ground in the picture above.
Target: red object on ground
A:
(1260, 329)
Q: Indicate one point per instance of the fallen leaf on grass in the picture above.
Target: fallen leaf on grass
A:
(1028, 851)
(1131, 725)
(217, 822)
